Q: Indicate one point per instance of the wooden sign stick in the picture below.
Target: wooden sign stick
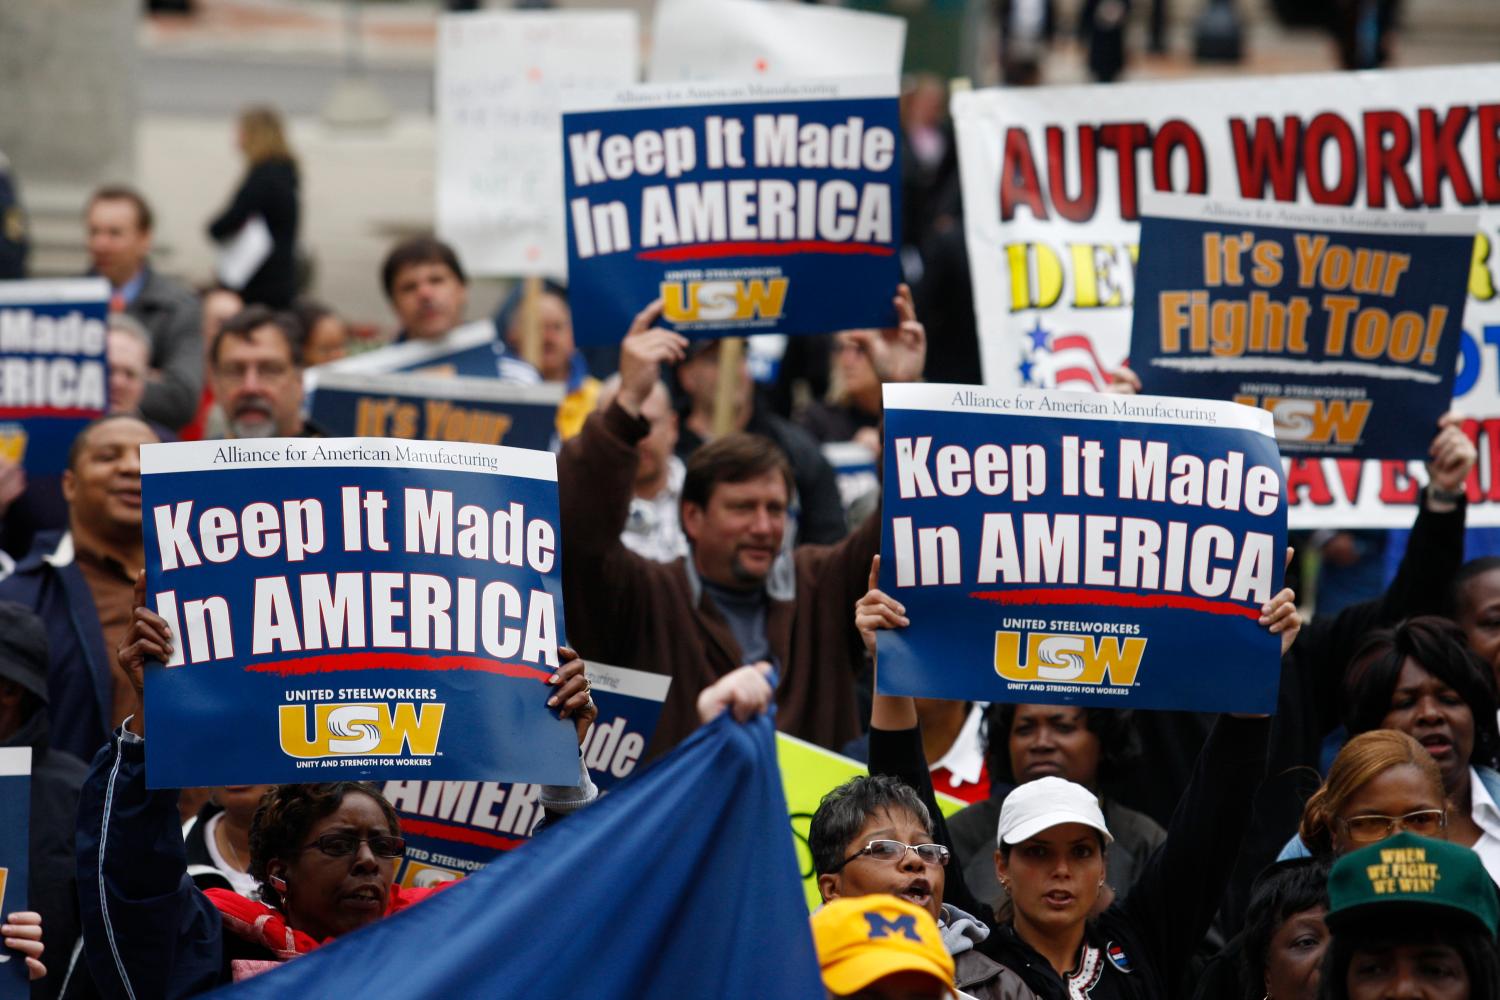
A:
(731, 356)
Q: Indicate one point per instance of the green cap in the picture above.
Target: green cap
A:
(1407, 873)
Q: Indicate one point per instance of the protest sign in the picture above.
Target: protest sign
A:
(53, 377)
(809, 772)
(854, 468)
(1344, 325)
(770, 39)
(15, 841)
(501, 76)
(472, 349)
(677, 884)
(1071, 548)
(453, 828)
(745, 207)
(353, 608)
(427, 408)
(1052, 182)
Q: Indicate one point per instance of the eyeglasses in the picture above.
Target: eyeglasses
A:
(894, 850)
(1368, 829)
(341, 845)
(235, 372)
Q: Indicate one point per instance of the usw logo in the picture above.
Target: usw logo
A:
(1317, 421)
(705, 301)
(367, 728)
(1077, 659)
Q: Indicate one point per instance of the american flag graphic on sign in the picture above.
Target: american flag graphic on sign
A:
(1058, 360)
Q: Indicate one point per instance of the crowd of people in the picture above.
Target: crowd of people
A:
(1103, 853)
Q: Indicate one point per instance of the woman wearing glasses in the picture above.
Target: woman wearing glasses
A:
(325, 855)
(873, 835)
(1381, 783)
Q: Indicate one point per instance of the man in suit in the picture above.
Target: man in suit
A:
(119, 242)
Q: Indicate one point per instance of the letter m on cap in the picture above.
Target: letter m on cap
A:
(882, 926)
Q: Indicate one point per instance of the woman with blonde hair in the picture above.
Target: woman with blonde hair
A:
(267, 204)
(1381, 782)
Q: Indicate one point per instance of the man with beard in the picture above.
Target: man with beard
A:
(81, 582)
(256, 369)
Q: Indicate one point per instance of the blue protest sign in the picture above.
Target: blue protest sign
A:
(1076, 548)
(680, 883)
(453, 828)
(473, 349)
(854, 466)
(418, 407)
(1345, 325)
(53, 377)
(747, 208)
(353, 608)
(15, 836)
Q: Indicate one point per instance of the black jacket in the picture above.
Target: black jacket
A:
(269, 190)
(56, 778)
(1156, 928)
(1312, 674)
(200, 864)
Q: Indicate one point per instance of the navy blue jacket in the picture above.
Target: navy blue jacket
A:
(80, 687)
(147, 930)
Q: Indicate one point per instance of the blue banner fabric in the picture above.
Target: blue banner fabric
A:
(747, 208)
(1080, 548)
(680, 883)
(15, 838)
(1344, 325)
(453, 828)
(353, 608)
(416, 407)
(53, 375)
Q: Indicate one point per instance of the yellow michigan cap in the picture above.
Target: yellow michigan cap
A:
(862, 939)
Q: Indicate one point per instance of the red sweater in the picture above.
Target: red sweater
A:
(265, 926)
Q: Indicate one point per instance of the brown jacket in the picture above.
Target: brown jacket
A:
(625, 609)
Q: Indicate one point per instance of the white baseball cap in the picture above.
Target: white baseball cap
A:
(1047, 802)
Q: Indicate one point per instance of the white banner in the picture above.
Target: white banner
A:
(501, 78)
(1053, 180)
(774, 39)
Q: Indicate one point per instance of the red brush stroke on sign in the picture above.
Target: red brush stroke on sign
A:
(22, 412)
(446, 831)
(1088, 595)
(334, 662)
(1065, 375)
(705, 251)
